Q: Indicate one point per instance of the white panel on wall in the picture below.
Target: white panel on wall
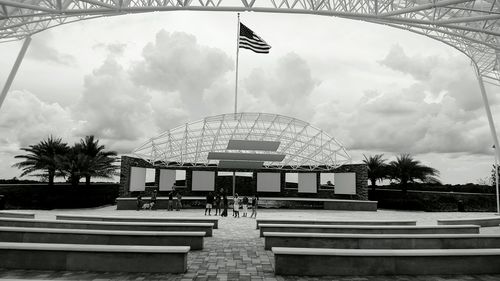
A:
(307, 183)
(167, 179)
(203, 181)
(268, 182)
(345, 183)
(137, 179)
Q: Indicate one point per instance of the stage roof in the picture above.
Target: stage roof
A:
(471, 26)
(246, 141)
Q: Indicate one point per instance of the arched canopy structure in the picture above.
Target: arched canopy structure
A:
(471, 26)
(241, 140)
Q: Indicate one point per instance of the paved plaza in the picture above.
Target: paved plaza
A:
(235, 252)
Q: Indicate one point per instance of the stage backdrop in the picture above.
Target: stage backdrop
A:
(268, 182)
(307, 183)
(167, 179)
(137, 179)
(345, 183)
(203, 181)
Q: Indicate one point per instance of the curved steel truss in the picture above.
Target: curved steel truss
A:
(302, 145)
(471, 26)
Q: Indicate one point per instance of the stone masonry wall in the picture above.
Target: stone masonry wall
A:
(245, 185)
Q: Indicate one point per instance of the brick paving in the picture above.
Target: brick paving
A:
(235, 252)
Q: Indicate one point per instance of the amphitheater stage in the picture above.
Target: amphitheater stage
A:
(130, 203)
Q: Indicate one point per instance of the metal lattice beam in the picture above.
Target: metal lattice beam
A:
(471, 26)
(305, 146)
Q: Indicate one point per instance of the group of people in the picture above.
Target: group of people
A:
(220, 204)
(171, 196)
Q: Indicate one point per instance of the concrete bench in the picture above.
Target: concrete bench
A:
(109, 258)
(373, 229)
(215, 221)
(131, 226)
(380, 241)
(312, 261)
(102, 237)
(336, 222)
(21, 215)
(489, 221)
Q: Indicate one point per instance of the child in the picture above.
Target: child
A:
(236, 206)
(245, 206)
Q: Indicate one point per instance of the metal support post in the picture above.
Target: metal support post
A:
(13, 72)
(496, 183)
(234, 183)
(490, 122)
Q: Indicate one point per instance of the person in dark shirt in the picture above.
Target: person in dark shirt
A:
(153, 199)
(210, 201)
(225, 204)
(139, 202)
(171, 200)
(217, 203)
(255, 204)
(245, 206)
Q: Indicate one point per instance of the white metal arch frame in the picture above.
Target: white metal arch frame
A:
(306, 147)
(471, 26)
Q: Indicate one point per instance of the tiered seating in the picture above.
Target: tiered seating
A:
(365, 229)
(105, 237)
(100, 245)
(215, 221)
(312, 249)
(491, 221)
(314, 261)
(380, 241)
(132, 226)
(44, 256)
(19, 215)
(336, 222)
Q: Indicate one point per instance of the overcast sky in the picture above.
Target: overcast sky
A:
(126, 79)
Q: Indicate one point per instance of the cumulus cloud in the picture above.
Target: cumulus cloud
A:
(40, 49)
(176, 62)
(451, 75)
(26, 120)
(284, 89)
(111, 106)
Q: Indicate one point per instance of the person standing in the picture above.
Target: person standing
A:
(236, 206)
(139, 202)
(210, 201)
(217, 202)
(225, 204)
(152, 203)
(179, 201)
(245, 205)
(171, 200)
(255, 204)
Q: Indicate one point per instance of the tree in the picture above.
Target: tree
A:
(73, 164)
(377, 168)
(405, 169)
(100, 163)
(43, 157)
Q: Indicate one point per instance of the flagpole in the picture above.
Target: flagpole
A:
(237, 55)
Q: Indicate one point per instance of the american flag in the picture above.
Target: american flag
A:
(251, 41)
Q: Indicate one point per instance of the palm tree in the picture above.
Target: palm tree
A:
(377, 168)
(43, 157)
(405, 169)
(101, 163)
(74, 164)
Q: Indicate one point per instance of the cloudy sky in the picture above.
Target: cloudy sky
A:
(128, 78)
